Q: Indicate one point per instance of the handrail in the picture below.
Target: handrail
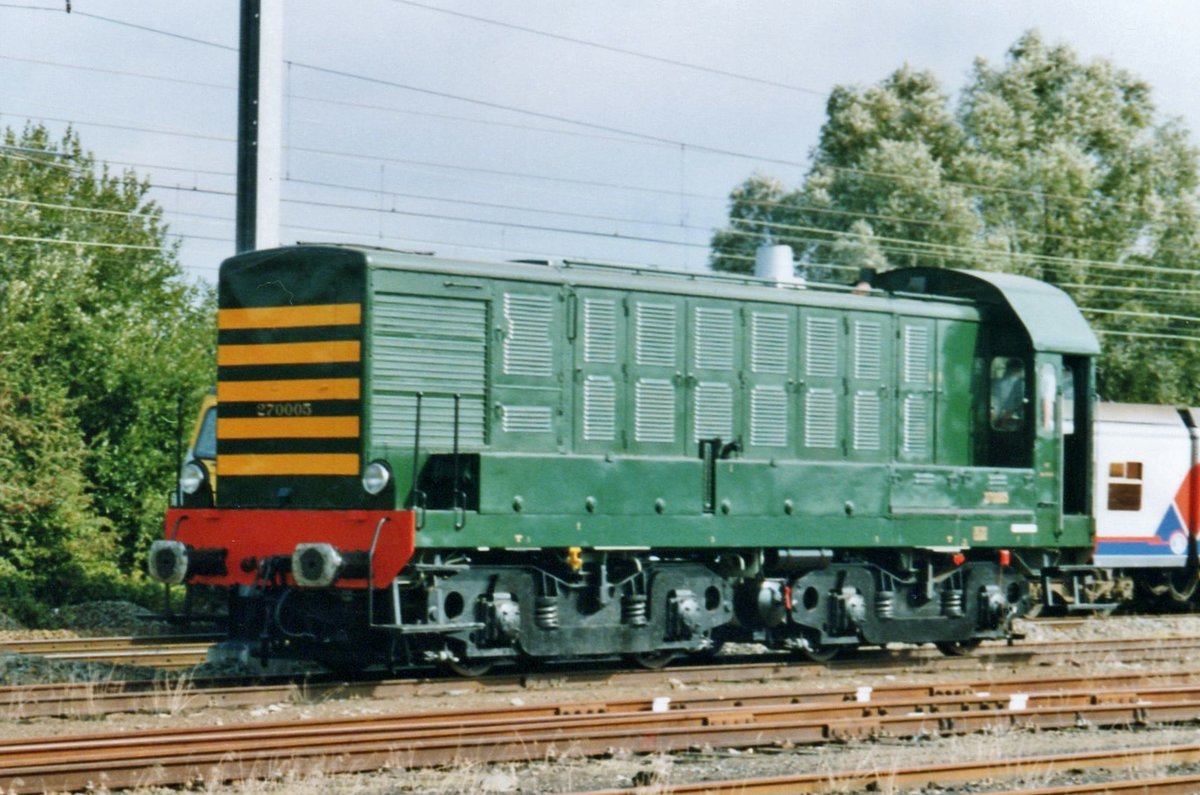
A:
(371, 573)
(458, 498)
(418, 496)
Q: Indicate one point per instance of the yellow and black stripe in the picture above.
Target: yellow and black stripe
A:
(289, 393)
(290, 378)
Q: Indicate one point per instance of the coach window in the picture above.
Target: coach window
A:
(1125, 486)
(1008, 394)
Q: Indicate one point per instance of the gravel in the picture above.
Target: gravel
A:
(566, 773)
(20, 669)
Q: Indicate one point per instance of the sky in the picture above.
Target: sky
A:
(609, 131)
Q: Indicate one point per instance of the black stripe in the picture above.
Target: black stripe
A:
(292, 277)
(283, 446)
(261, 336)
(287, 372)
(308, 491)
(320, 408)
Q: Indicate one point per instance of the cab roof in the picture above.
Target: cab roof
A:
(1052, 320)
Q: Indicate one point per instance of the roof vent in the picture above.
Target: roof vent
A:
(775, 263)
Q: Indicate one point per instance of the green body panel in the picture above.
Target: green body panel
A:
(957, 347)
(584, 394)
(562, 485)
(950, 532)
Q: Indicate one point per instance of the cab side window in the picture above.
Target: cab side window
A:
(1008, 400)
(206, 438)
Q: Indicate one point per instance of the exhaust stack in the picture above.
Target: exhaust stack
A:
(776, 263)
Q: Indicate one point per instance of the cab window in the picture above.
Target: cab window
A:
(205, 445)
(1008, 400)
(1047, 394)
(1067, 402)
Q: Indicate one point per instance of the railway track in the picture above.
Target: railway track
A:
(78, 699)
(168, 651)
(764, 719)
(173, 652)
(942, 775)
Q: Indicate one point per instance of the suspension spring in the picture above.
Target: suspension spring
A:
(633, 610)
(546, 612)
(885, 604)
(952, 603)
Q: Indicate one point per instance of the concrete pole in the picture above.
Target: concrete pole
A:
(260, 124)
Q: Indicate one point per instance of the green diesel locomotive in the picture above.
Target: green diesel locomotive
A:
(432, 460)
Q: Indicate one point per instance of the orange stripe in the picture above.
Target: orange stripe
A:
(291, 316)
(299, 389)
(300, 464)
(288, 353)
(288, 428)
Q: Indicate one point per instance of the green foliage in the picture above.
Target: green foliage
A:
(1049, 166)
(100, 337)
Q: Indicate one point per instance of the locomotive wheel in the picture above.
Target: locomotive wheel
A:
(708, 652)
(821, 654)
(652, 660)
(816, 652)
(469, 668)
(957, 648)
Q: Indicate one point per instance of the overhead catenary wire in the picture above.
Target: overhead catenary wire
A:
(128, 128)
(765, 203)
(469, 120)
(813, 235)
(621, 50)
(508, 224)
(576, 232)
(1142, 315)
(1145, 335)
(695, 147)
(120, 73)
(897, 243)
(667, 141)
(491, 205)
(146, 28)
(777, 225)
(83, 243)
(707, 149)
(951, 249)
(616, 235)
(144, 214)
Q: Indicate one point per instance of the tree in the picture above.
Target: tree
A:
(100, 335)
(1048, 166)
